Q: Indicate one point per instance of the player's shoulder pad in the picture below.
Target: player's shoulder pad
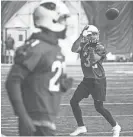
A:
(100, 49)
(23, 51)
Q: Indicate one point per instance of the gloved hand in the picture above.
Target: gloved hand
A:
(85, 28)
(66, 83)
(84, 34)
(28, 128)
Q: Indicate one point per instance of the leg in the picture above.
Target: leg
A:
(104, 112)
(99, 95)
(79, 94)
(107, 115)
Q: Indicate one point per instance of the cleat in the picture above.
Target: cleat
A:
(79, 130)
(116, 130)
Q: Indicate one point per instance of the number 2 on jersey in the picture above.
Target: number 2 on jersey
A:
(53, 86)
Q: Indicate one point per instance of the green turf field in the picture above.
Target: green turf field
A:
(119, 102)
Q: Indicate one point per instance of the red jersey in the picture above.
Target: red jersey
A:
(41, 87)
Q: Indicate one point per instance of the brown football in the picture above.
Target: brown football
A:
(112, 13)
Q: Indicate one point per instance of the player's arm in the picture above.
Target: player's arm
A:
(24, 63)
(13, 87)
(97, 55)
(76, 47)
(79, 43)
(66, 82)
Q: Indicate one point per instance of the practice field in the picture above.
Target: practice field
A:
(119, 102)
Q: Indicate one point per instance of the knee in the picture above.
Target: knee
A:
(99, 108)
(73, 102)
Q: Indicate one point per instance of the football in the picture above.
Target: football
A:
(112, 13)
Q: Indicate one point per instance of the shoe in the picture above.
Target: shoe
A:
(79, 130)
(116, 130)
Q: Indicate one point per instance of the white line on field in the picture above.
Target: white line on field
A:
(96, 116)
(6, 105)
(108, 95)
(72, 117)
(108, 88)
(10, 127)
(108, 74)
(85, 104)
(9, 118)
(8, 124)
(119, 95)
(122, 88)
(93, 133)
(109, 132)
(109, 78)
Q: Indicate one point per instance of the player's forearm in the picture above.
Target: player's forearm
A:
(94, 58)
(76, 45)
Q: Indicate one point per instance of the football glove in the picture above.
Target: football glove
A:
(100, 50)
(66, 83)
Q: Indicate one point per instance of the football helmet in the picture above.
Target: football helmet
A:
(90, 34)
(51, 14)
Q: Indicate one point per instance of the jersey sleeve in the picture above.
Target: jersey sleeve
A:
(31, 61)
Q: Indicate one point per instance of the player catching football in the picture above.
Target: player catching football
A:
(37, 79)
(92, 54)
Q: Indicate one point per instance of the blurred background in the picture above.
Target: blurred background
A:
(117, 35)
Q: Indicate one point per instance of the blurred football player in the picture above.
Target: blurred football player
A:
(92, 54)
(37, 79)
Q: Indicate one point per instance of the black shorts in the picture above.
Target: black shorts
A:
(95, 87)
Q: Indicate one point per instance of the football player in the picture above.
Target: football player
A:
(92, 54)
(37, 79)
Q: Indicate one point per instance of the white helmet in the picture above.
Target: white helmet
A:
(50, 14)
(90, 34)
